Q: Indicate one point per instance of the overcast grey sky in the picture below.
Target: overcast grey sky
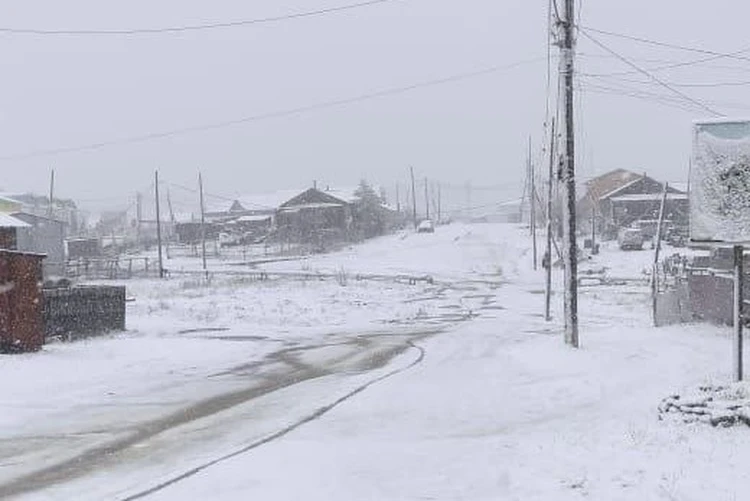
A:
(71, 91)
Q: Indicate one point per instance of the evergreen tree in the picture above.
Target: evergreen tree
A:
(369, 216)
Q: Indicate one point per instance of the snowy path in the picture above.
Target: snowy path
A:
(457, 390)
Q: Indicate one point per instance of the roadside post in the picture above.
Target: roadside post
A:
(738, 299)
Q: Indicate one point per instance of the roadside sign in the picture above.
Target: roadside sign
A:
(720, 182)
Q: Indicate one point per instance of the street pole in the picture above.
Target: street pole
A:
(203, 226)
(51, 194)
(738, 307)
(548, 253)
(439, 203)
(533, 208)
(398, 200)
(158, 223)
(413, 197)
(657, 250)
(570, 244)
(426, 199)
(138, 217)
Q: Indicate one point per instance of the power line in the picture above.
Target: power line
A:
(727, 55)
(671, 101)
(644, 96)
(270, 115)
(649, 75)
(665, 64)
(739, 83)
(194, 27)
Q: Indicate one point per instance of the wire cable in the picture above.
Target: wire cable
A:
(269, 115)
(727, 55)
(656, 79)
(739, 83)
(194, 27)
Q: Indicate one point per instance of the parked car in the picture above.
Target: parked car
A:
(630, 239)
(426, 226)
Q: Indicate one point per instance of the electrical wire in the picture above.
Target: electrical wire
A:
(269, 115)
(194, 27)
(662, 98)
(727, 55)
(650, 97)
(740, 83)
(665, 64)
(650, 75)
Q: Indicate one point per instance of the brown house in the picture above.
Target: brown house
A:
(620, 197)
(313, 213)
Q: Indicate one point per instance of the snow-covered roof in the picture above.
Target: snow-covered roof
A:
(511, 203)
(253, 202)
(683, 187)
(317, 205)
(8, 221)
(346, 194)
(8, 199)
(253, 219)
(270, 201)
(620, 188)
(649, 197)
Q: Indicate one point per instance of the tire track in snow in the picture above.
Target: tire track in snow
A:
(284, 376)
(320, 412)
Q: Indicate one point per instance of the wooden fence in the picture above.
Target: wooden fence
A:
(72, 312)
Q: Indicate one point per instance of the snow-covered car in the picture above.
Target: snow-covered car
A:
(630, 239)
(426, 226)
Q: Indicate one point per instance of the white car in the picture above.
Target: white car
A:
(426, 226)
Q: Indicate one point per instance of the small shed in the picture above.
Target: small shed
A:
(21, 308)
(9, 227)
(83, 248)
(43, 235)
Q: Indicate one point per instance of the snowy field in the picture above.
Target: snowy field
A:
(340, 389)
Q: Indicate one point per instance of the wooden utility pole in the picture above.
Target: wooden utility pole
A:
(138, 217)
(533, 207)
(203, 225)
(158, 224)
(414, 197)
(550, 229)
(593, 230)
(426, 199)
(51, 194)
(657, 250)
(738, 310)
(439, 203)
(570, 250)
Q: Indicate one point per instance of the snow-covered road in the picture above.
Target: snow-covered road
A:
(374, 390)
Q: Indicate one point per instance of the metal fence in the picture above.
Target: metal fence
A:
(695, 291)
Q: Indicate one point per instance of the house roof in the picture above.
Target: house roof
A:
(681, 187)
(28, 217)
(609, 183)
(8, 199)
(618, 189)
(314, 205)
(8, 221)
(649, 197)
(252, 219)
(254, 202)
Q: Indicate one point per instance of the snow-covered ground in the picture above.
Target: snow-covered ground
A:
(345, 389)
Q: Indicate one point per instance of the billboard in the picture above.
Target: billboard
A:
(720, 182)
